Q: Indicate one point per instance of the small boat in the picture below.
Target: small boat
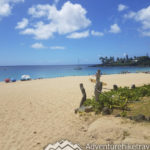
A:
(25, 78)
(7, 80)
(78, 68)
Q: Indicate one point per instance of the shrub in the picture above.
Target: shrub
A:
(118, 99)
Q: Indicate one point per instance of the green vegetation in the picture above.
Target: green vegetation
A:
(142, 106)
(126, 61)
(119, 99)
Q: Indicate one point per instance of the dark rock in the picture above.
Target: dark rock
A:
(106, 111)
(88, 108)
(130, 117)
(75, 111)
(118, 115)
(133, 86)
(147, 118)
(139, 117)
(115, 87)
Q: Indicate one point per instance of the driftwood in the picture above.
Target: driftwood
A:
(81, 107)
(83, 93)
(98, 86)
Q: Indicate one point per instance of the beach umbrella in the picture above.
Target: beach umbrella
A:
(13, 80)
(7, 80)
(25, 77)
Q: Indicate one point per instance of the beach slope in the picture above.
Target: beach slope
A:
(38, 112)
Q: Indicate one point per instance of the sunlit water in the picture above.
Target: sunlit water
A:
(15, 72)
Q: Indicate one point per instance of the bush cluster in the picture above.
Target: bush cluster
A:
(118, 99)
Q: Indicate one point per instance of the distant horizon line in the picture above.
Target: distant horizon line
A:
(49, 65)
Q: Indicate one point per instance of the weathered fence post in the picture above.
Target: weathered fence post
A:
(98, 86)
(83, 93)
(133, 86)
(115, 87)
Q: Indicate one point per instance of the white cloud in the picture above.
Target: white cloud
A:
(70, 18)
(122, 7)
(41, 10)
(145, 33)
(78, 35)
(115, 29)
(41, 46)
(142, 16)
(22, 24)
(38, 46)
(6, 7)
(57, 47)
(41, 30)
(96, 33)
(130, 15)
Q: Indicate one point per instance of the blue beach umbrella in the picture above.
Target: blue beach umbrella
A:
(13, 80)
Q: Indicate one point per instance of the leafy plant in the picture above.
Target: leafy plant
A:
(118, 99)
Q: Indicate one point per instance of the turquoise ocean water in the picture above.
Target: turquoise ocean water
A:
(49, 71)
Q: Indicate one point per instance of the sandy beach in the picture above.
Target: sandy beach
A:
(38, 112)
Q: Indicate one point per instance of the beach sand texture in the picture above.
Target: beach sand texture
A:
(36, 113)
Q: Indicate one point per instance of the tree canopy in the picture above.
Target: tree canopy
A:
(126, 61)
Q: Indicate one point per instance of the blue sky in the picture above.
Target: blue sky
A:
(44, 32)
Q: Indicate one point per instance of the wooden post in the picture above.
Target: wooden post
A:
(83, 93)
(98, 86)
(115, 87)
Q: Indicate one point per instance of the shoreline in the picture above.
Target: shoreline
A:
(92, 75)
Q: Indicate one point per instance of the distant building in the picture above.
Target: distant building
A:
(135, 60)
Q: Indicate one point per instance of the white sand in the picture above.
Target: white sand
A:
(36, 113)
